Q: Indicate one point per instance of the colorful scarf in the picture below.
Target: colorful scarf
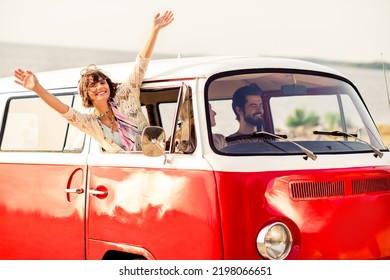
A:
(127, 130)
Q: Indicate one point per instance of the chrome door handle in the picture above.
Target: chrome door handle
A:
(78, 191)
(97, 192)
(100, 192)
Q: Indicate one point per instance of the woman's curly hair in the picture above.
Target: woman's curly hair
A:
(91, 75)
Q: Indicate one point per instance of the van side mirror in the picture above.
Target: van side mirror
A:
(153, 142)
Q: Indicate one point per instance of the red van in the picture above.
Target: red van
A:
(312, 182)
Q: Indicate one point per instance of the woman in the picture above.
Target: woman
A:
(218, 139)
(117, 120)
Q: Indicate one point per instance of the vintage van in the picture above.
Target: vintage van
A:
(312, 183)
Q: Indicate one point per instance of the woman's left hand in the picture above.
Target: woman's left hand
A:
(160, 21)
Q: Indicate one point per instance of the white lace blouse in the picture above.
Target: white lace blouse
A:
(128, 100)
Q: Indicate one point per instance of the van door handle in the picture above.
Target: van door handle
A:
(74, 187)
(99, 192)
(96, 192)
(78, 191)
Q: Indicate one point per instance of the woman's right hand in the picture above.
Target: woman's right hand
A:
(26, 79)
(29, 81)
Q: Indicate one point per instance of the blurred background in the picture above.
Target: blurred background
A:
(351, 36)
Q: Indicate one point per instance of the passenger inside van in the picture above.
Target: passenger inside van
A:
(185, 137)
(116, 121)
(218, 139)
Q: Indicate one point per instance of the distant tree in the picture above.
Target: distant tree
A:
(333, 120)
(302, 118)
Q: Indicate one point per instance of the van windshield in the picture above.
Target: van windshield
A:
(277, 112)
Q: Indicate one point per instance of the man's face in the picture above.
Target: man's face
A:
(253, 110)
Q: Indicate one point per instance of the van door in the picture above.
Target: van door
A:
(144, 207)
(42, 179)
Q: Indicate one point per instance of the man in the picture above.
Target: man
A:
(248, 107)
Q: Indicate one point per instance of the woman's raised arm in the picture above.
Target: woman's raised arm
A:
(159, 22)
(28, 80)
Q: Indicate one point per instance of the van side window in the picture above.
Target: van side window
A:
(159, 106)
(75, 138)
(185, 138)
(30, 125)
(171, 108)
(167, 113)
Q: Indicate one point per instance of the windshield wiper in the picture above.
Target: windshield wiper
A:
(377, 152)
(259, 134)
(264, 134)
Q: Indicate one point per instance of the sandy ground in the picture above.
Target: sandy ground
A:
(385, 133)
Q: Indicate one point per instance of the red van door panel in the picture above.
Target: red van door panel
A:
(172, 214)
(39, 220)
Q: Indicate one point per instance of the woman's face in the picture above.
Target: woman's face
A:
(98, 91)
(212, 116)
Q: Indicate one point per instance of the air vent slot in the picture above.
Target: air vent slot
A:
(370, 185)
(306, 190)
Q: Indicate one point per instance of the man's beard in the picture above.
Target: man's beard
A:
(254, 121)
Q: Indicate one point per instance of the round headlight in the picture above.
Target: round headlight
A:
(274, 241)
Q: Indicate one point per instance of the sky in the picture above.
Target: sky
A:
(343, 30)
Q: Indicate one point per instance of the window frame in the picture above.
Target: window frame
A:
(64, 144)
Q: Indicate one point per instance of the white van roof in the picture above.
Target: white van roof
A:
(169, 69)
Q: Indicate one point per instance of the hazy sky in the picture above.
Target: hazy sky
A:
(350, 30)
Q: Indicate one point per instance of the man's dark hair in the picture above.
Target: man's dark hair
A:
(239, 96)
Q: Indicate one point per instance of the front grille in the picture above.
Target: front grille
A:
(313, 190)
(370, 185)
(309, 190)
